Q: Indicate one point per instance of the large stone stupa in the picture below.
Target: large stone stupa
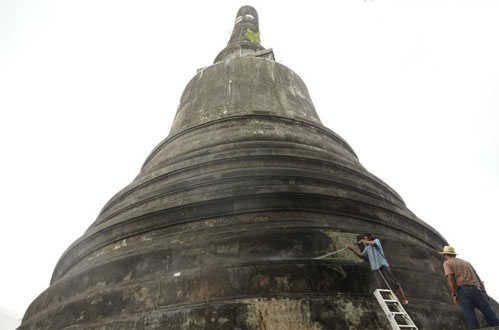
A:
(220, 228)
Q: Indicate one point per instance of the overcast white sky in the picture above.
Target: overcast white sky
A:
(88, 88)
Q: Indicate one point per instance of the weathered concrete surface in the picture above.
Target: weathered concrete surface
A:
(219, 229)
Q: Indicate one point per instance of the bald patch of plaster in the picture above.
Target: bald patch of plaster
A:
(278, 314)
(353, 314)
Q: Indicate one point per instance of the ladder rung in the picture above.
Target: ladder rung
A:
(393, 309)
(405, 325)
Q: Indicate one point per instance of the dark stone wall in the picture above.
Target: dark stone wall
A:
(220, 228)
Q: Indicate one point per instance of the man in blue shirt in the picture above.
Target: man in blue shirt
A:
(374, 252)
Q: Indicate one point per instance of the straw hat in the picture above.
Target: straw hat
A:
(448, 250)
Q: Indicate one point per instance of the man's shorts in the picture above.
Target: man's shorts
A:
(386, 272)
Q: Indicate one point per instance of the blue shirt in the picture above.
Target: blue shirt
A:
(375, 255)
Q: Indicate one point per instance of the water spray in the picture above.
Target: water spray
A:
(337, 251)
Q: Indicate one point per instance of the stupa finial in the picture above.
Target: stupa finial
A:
(245, 37)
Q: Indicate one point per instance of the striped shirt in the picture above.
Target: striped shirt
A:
(375, 255)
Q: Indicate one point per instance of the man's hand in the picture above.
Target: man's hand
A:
(356, 253)
(456, 301)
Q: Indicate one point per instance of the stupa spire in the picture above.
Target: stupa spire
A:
(245, 37)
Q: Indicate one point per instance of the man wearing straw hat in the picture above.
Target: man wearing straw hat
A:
(467, 289)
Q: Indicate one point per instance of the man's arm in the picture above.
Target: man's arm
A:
(451, 280)
(356, 252)
(372, 243)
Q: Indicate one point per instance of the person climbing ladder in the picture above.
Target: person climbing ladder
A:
(374, 252)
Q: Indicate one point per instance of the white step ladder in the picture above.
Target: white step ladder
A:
(396, 314)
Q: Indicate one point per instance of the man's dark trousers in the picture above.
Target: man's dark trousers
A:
(469, 297)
